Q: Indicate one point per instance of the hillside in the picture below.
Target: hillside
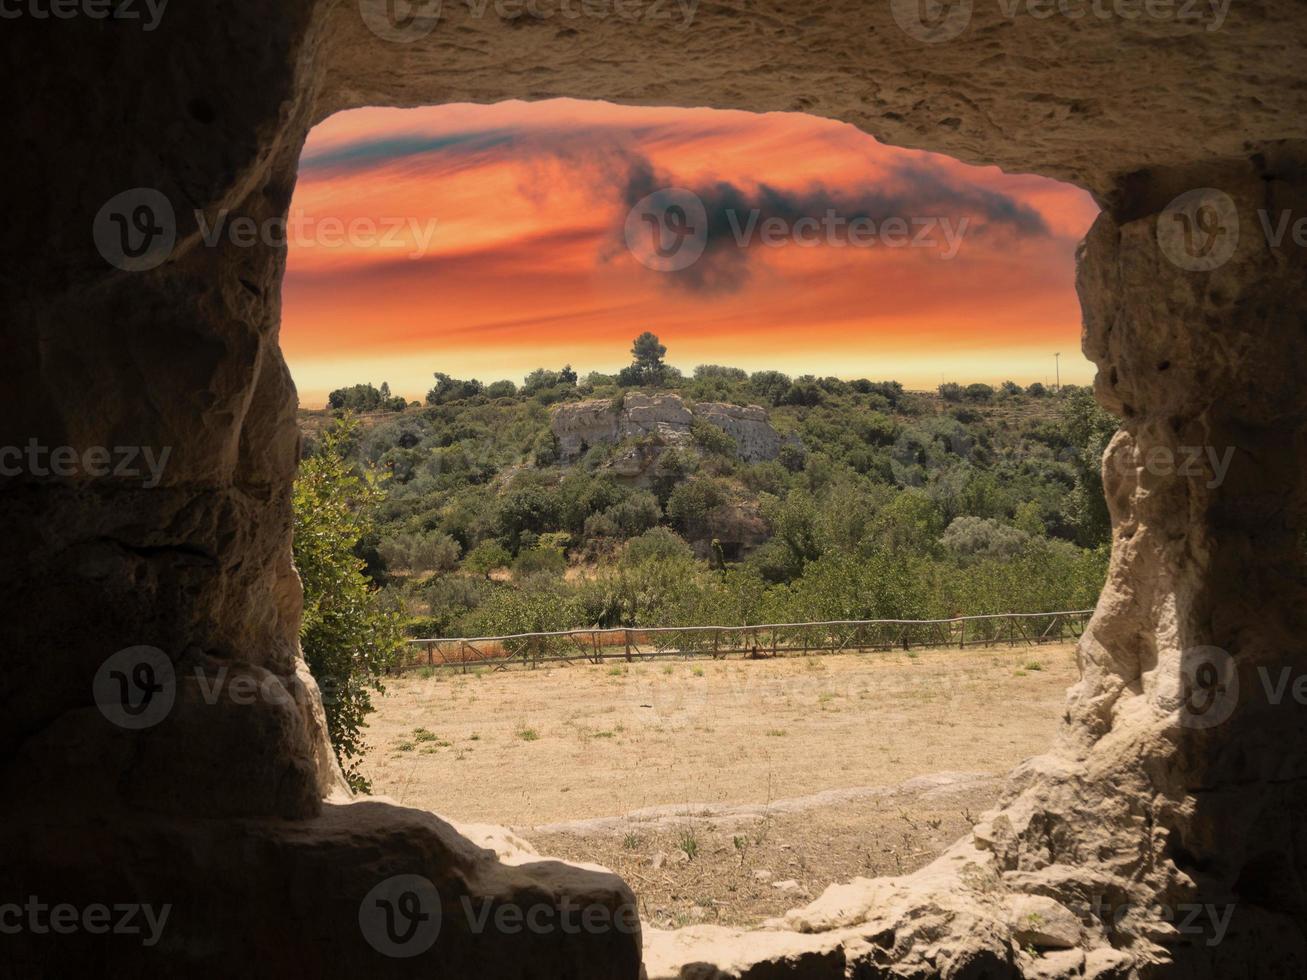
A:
(725, 497)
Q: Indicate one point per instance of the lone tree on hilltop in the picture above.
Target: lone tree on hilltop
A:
(648, 366)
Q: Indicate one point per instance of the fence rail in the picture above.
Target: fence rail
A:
(763, 640)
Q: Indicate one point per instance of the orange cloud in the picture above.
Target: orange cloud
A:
(488, 240)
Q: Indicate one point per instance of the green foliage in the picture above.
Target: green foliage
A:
(487, 557)
(449, 389)
(881, 502)
(365, 398)
(1089, 429)
(434, 551)
(983, 537)
(711, 438)
(350, 632)
(691, 503)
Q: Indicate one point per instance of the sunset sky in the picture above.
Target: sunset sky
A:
(490, 240)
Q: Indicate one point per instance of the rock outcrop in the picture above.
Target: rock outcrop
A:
(755, 439)
(578, 426)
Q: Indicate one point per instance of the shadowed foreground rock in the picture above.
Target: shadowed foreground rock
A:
(1177, 784)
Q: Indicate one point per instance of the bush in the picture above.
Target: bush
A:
(972, 537)
(418, 553)
(712, 438)
(659, 543)
(543, 559)
(690, 503)
(349, 631)
(449, 389)
(487, 557)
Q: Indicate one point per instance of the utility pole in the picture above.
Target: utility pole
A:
(1057, 368)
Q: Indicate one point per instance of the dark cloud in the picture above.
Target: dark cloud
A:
(912, 192)
(366, 154)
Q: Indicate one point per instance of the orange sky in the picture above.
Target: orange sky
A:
(489, 240)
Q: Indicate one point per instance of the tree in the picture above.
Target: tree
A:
(449, 389)
(489, 556)
(349, 633)
(648, 353)
(1088, 430)
(365, 398)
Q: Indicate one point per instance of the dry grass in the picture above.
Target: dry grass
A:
(563, 744)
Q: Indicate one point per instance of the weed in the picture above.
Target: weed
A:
(688, 843)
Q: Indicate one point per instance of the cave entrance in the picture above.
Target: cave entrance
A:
(824, 429)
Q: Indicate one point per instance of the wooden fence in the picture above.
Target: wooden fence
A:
(764, 640)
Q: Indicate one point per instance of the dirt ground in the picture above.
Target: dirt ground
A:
(725, 791)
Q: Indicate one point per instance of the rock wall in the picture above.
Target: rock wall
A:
(218, 808)
(599, 422)
(755, 439)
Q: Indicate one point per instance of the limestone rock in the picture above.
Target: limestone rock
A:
(1106, 963)
(578, 426)
(1043, 923)
(755, 439)
(1063, 964)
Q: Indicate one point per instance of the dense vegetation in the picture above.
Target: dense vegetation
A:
(885, 503)
(350, 631)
